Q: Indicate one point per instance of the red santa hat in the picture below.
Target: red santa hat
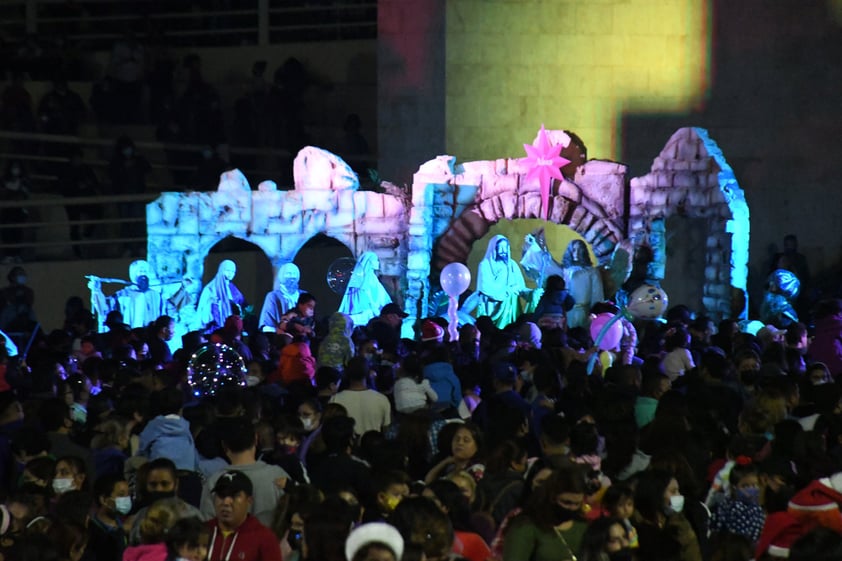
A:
(780, 531)
(431, 331)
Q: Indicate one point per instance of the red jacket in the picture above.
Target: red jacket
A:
(817, 504)
(251, 542)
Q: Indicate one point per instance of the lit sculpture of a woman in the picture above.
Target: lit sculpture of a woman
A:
(365, 295)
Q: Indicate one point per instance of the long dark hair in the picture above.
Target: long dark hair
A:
(451, 497)
(541, 504)
(649, 493)
(595, 539)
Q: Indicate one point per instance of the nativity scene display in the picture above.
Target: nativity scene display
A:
(549, 235)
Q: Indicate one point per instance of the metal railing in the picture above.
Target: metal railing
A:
(46, 232)
(264, 22)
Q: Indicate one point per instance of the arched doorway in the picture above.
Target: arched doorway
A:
(313, 259)
(254, 271)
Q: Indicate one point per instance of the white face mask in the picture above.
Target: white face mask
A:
(307, 422)
(62, 485)
(677, 503)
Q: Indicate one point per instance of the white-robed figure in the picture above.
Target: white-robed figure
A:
(584, 283)
(139, 304)
(280, 301)
(220, 298)
(500, 283)
(365, 295)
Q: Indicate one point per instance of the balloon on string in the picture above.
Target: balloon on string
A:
(213, 367)
(610, 339)
(339, 273)
(455, 279)
(647, 302)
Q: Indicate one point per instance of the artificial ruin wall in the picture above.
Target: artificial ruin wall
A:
(183, 227)
(453, 205)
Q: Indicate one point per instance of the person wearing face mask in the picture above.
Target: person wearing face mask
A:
(70, 475)
(14, 187)
(139, 304)
(161, 484)
(287, 435)
(663, 531)
(741, 513)
(16, 303)
(606, 540)
(388, 490)
(551, 527)
(108, 526)
(279, 302)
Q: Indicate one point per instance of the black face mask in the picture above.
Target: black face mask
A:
(294, 540)
(562, 515)
(624, 554)
(151, 497)
(143, 283)
(749, 377)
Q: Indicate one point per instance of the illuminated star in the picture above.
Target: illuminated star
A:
(544, 161)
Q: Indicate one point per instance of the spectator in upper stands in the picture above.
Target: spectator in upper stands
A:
(211, 165)
(61, 110)
(126, 70)
(15, 187)
(127, 171)
(77, 179)
(16, 106)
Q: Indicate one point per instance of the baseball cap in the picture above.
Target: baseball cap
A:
(374, 532)
(232, 482)
(768, 333)
(504, 372)
(393, 308)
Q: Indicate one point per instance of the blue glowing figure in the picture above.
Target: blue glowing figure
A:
(220, 298)
(365, 295)
(280, 301)
(139, 304)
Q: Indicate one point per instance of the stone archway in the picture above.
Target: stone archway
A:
(454, 205)
(569, 207)
(254, 269)
(312, 260)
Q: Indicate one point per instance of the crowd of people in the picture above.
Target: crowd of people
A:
(688, 442)
(146, 83)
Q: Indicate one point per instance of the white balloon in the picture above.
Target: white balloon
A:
(455, 279)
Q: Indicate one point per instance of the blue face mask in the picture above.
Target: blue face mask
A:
(123, 505)
(749, 495)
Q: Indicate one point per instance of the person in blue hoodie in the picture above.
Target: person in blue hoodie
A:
(168, 434)
(438, 368)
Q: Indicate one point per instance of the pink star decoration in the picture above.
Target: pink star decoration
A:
(544, 161)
